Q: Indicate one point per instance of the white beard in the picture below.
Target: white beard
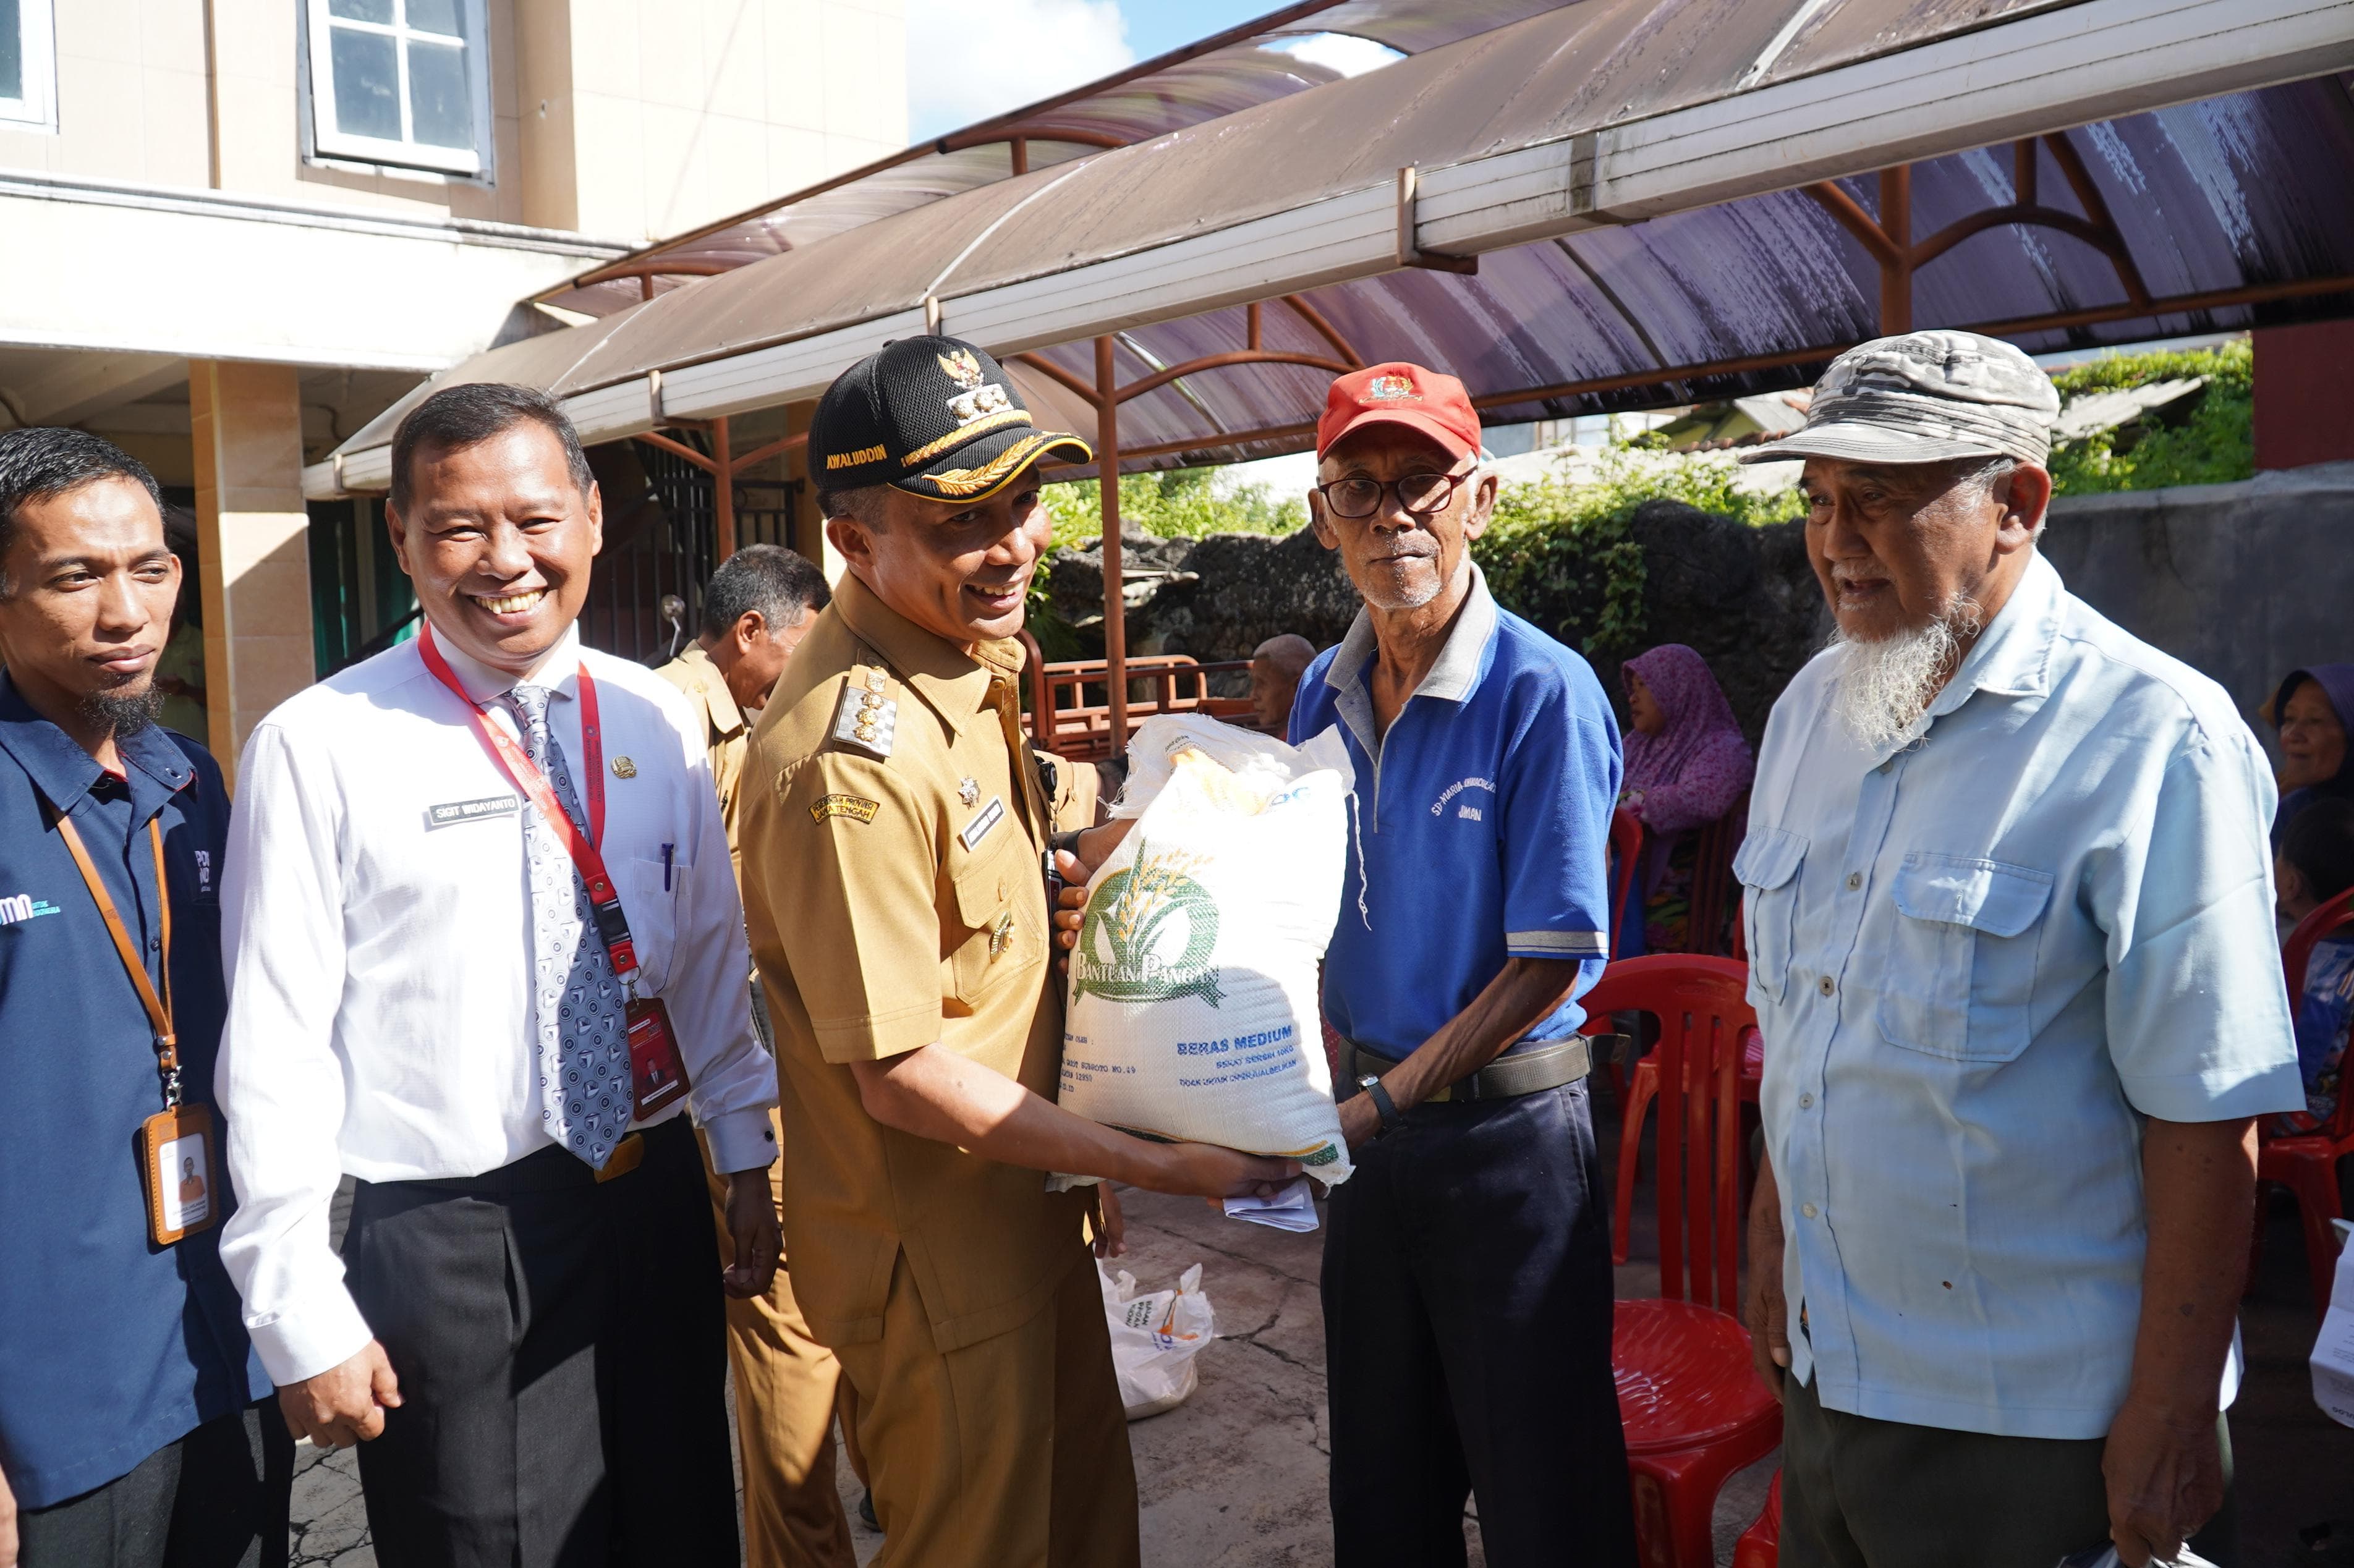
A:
(1881, 688)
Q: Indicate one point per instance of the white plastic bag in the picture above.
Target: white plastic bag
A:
(2333, 1350)
(1193, 1011)
(1154, 1339)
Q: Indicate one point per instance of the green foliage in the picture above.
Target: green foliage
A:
(1563, 553)
(1177, 504)
(2214, 446)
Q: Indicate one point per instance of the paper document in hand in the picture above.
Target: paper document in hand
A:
(1292, 1209)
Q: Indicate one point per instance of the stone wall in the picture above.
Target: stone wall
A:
(2242, 581)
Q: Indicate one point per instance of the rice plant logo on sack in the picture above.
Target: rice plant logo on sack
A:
(1134, 920)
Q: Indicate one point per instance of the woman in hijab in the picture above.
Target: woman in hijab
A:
(2313, 710)
(1686, 765)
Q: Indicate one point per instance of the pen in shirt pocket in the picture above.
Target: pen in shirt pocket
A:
(667, 849)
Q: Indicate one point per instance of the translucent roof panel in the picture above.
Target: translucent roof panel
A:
(1250, 65)
(2210, 199)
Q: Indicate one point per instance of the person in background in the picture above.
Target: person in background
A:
(1467, 1263)
(1687, 763)
(134, 1423)
(2316, 865)
(2009, 920)
(2313, 709)
(1276, 665)
(755, 609)
(480, 924)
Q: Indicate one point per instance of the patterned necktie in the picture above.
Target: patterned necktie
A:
(577, 1004)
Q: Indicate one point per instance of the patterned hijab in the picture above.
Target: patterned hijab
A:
(1702, 732)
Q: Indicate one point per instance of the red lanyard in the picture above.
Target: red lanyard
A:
(602, 899)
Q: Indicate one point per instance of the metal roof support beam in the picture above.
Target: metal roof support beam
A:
(1888, 238)
(722, 470)
(1107, 400)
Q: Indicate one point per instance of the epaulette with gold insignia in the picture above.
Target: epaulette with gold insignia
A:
(867, 719)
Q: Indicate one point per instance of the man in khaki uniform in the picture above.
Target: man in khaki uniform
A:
(895, 825)
(755, 609)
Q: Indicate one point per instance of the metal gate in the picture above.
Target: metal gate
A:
(645, 598)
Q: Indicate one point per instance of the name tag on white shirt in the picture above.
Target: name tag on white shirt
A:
(449, 814)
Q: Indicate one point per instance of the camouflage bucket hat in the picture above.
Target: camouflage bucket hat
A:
(1926, 396)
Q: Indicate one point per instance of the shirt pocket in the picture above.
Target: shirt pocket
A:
(1000, 915)
(653, 897)
(1767, 864)
(1961, 963)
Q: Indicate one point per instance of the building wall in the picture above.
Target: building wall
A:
(622, 119)
(690, 109)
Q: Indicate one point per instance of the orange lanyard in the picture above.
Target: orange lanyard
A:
(603, 901)
(159, 1008)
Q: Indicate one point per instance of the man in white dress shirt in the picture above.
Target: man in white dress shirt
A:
(526, 1321)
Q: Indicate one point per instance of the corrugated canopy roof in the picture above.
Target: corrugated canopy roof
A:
(1666, 198)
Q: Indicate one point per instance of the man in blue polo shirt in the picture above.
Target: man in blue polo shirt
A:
(130, 1437)
(1467, 1266)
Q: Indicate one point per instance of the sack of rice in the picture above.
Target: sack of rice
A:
(1194, 1011)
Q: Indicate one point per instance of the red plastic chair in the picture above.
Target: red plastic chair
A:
(1626, 854)
(1636, 1099)
(1693, 1408)
(1760, 1545)
(2307, 1162)
(1713, 882)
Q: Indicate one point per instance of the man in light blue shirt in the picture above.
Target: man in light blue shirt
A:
(2009, 916)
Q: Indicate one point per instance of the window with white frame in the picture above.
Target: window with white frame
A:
(399, 81)
(28, 66)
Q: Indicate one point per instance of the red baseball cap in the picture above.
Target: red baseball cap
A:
(1401, 394)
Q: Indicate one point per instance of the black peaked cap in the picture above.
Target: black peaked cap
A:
(935, 417)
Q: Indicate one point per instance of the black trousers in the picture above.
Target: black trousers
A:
(216, 1498)
(1859, 1492)
(561, 1347)
(1467, 1324)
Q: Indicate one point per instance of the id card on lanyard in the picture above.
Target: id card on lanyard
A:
(657, 1072)
(175, 1145)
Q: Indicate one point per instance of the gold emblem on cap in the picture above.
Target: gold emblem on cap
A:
(624, 769)
(962, 368)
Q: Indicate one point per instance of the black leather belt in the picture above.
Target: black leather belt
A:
(1532, 1072)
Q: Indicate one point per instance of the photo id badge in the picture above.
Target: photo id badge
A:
(175, 1156)
(656, 1073)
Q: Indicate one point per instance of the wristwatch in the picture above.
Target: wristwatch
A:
(1391, 1118)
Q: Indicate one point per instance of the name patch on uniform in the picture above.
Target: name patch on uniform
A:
(981, 825)
(450, 814)
(856, 807)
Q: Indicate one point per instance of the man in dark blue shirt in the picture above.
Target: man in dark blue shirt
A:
(1467, 1266)
(129, 1433)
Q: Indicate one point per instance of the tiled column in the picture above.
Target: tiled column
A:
(252, 542)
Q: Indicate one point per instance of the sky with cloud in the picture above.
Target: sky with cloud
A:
(967, 62)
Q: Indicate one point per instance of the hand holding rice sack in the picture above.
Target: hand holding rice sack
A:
(1193, 1013)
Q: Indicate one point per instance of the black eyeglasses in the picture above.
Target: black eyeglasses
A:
(1421, 494)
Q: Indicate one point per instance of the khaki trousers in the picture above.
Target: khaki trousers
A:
(784, 1418)
(1011, 1453)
